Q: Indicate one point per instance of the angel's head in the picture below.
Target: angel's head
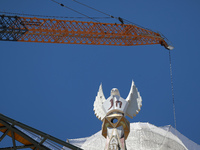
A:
(114, 91)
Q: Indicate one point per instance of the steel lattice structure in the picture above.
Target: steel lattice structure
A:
(29, 137)
(27, 29)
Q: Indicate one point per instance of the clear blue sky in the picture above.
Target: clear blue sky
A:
(52, 87)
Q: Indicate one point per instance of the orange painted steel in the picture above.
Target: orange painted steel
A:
(80, 32)
(17, 136)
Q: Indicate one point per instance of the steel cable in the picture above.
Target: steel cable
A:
(172, 88)
(111, 16)
(45, 16)
(74, 10)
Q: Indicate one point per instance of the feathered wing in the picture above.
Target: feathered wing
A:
(100, 99)
(135, 101)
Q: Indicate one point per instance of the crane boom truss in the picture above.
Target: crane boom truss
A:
(28, 29)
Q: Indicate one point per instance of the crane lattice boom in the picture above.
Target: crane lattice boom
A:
(43, 30)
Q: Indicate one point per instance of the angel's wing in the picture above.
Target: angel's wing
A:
(135, 101)
(98, 109)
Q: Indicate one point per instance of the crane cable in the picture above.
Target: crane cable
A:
(118, 18)
(46, 16)
(74, 10)
(122, 20)
(93, 9)
(172, 88)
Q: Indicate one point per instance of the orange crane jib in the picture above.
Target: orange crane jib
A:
(32, 29)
